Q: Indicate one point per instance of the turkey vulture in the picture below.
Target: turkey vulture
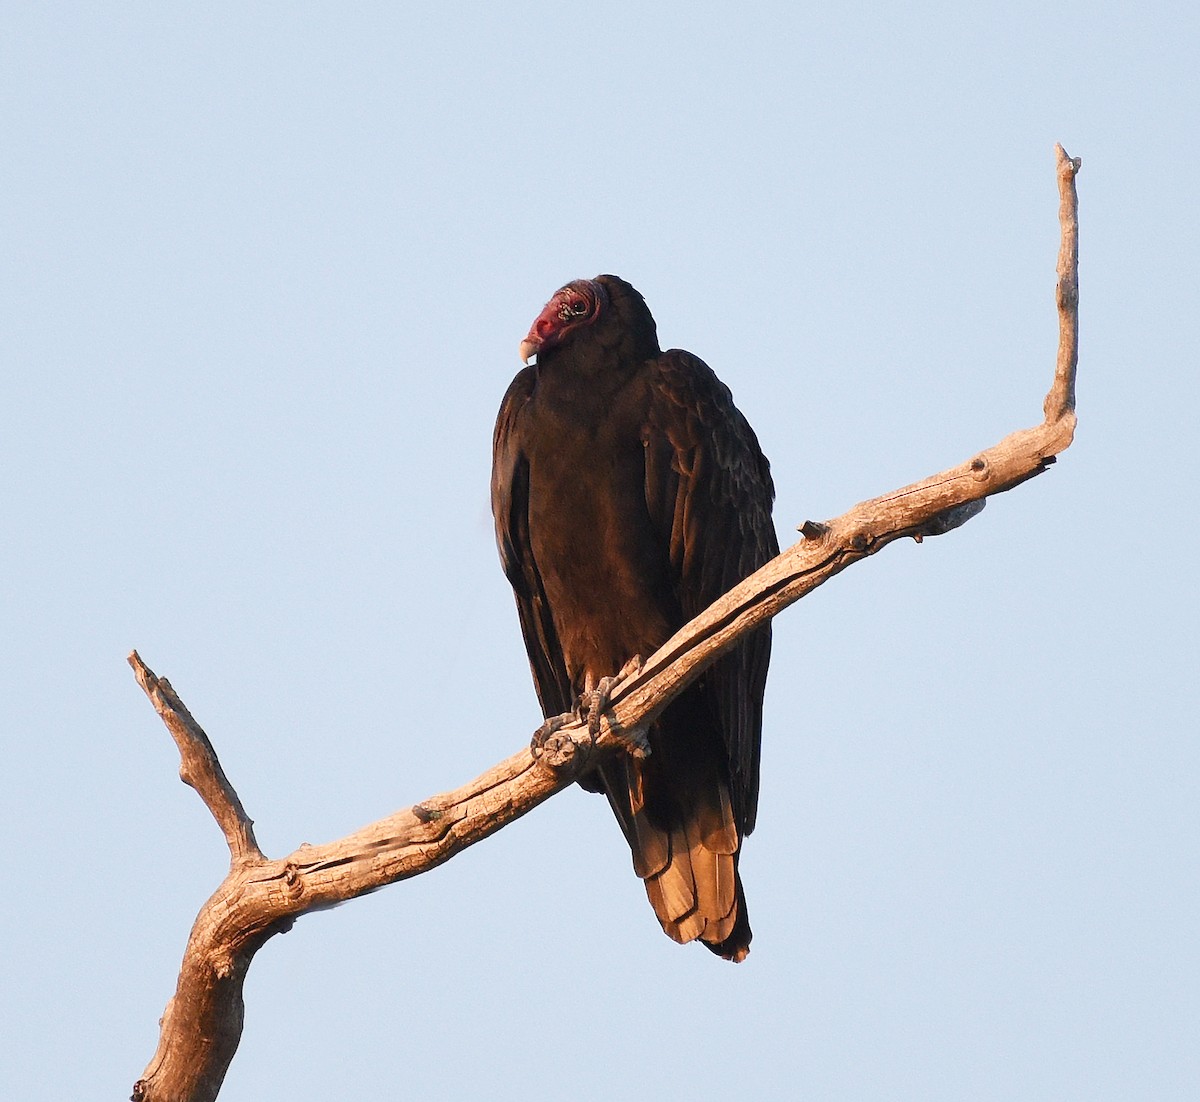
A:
(629, 494)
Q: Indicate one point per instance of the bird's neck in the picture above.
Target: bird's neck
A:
(587, 374)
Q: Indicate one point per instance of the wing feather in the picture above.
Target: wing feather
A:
(510, 511)
(709, 486)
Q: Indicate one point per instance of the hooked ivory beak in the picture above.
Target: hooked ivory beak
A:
(528, 349)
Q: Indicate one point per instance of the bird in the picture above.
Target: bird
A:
(629, 493)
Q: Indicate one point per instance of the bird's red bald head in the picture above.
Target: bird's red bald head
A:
(573, 307)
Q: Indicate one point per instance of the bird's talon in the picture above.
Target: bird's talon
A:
(543, 735)
(558, 749)
(591, 706)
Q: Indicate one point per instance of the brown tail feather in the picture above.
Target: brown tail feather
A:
(689, 869)
(736, 946)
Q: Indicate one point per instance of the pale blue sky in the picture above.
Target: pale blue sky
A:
(264, 271)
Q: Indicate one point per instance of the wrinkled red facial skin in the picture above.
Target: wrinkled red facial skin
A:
(577, 304)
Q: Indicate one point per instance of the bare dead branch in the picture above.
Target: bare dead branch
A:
(198, 765)
(1061, 399)
(202, 1024)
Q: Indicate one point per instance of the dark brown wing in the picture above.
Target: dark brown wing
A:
(510, 510)
(709, 492)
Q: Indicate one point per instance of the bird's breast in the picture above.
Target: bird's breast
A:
(602, 564)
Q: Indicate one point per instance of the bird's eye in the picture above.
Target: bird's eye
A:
(579, 307)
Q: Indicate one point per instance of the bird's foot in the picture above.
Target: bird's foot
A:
(633, 739)
(552, 746)
(558, 749)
